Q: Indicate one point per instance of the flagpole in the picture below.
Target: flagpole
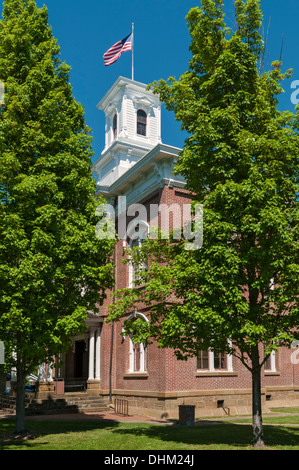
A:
(132, 51)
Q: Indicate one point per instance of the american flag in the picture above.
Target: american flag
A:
(113, 54)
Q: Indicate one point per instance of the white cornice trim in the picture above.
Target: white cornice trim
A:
(135, 176)
(118, 145)
(123, 82)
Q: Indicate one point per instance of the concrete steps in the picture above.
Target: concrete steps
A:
(87, 403)
(68, 403)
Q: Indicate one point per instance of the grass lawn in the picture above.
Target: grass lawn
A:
(114, 436)
(289, 416)
(285, 410)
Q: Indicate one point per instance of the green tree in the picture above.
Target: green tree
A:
(53, 269)
(241, 162)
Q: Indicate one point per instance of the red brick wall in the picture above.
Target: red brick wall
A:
(165, 372)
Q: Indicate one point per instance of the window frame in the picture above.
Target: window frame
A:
(114, 126)
(141, 123)
(211, 357)
(136, 242)
(142, 351)
(270, 363)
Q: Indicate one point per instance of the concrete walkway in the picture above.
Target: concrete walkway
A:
(113, 417)
(95, 416)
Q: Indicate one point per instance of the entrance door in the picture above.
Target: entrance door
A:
(80, 360)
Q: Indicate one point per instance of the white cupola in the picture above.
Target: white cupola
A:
(133, 128)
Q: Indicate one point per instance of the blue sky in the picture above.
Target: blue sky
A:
(85, 30)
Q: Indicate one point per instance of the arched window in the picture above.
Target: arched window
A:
(114, 126)
(141, 122)
(138, 351)
(270, 363)
(137, 234)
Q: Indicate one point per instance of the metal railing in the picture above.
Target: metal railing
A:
(121, 407)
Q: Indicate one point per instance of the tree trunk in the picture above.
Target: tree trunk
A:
(257, 422)
(20, 404)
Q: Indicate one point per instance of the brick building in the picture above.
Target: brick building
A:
(135, 167)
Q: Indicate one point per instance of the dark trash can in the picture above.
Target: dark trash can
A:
(187, 415)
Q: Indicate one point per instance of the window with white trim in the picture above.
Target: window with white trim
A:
(114, 126)
(270, 364)
(138, 352)
(136, 239)
(212, 361)
(141, 122)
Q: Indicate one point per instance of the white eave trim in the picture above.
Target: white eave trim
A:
(122, 81)
(138, 168)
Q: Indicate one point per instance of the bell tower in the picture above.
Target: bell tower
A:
(132, 129)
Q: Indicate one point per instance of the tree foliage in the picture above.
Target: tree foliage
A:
(240, 159)
(53, 270)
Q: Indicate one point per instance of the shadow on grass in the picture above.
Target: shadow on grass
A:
(216, 436)
(40, 428)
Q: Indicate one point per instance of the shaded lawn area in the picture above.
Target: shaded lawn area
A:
(287, 419)
(115, 436)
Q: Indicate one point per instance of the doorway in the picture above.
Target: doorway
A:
(81, 360)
